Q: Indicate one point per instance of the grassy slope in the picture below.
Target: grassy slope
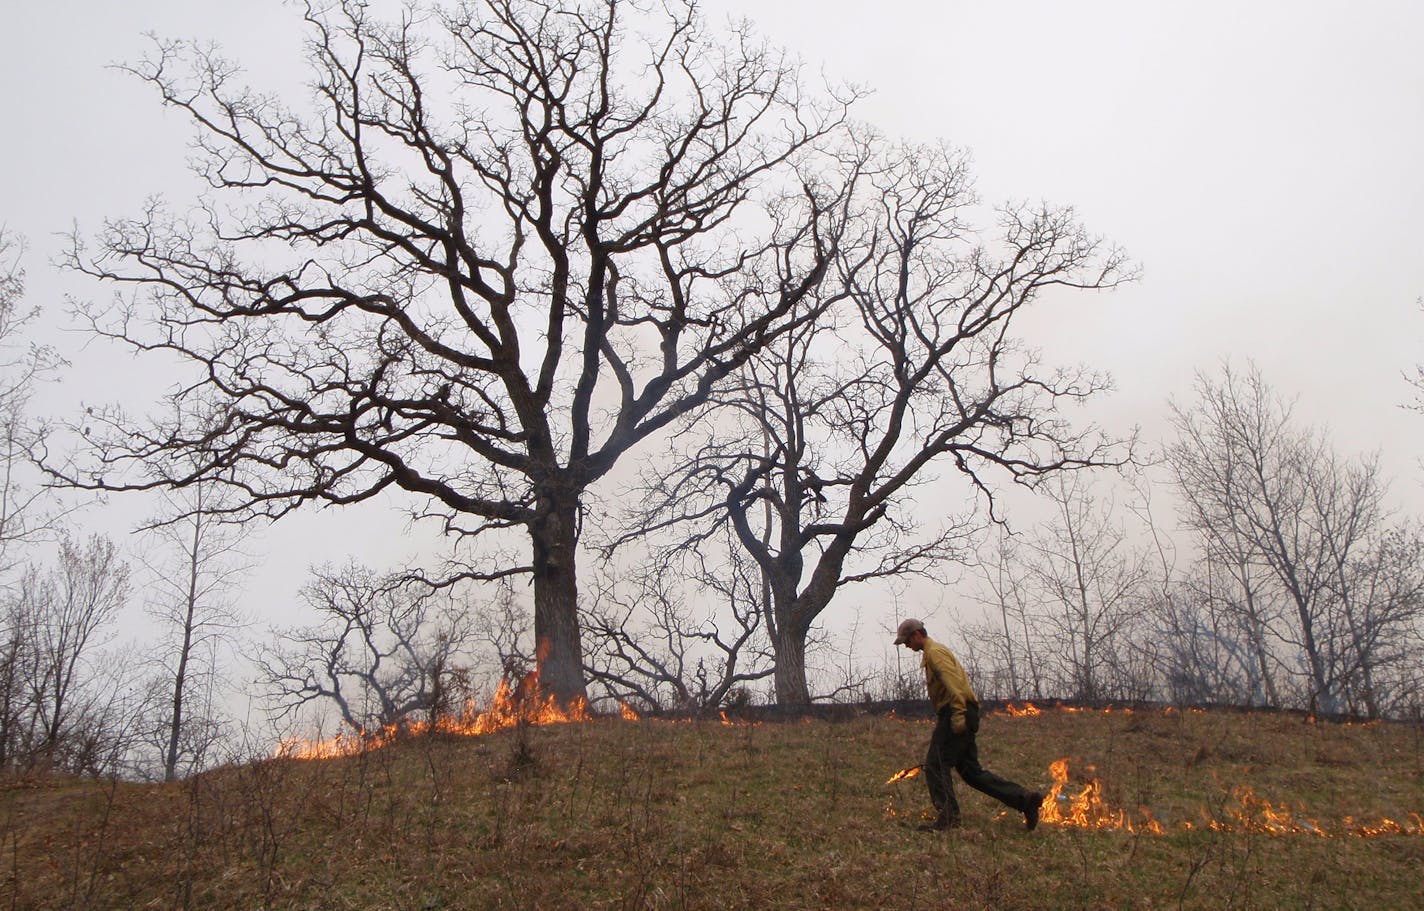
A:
(699, 815)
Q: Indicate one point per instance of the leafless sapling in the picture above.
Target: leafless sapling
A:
(374, 651)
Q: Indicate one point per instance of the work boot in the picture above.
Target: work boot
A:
(941, 822)
(1035, 800)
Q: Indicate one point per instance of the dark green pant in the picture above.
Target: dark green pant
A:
(949, 750)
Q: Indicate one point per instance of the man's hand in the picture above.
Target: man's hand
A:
(957, 723)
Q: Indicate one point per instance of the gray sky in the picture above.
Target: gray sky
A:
(1259, 160)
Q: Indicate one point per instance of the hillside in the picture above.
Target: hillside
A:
(659, 814)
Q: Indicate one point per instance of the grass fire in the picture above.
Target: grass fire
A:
(1245, 811)
(1146, 809)
(513, 703)
(1084, 806)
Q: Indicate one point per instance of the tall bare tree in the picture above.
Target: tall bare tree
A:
(1009, 665)
(914, 366)
(52, 618)
(1303, 535)
(1380, 620)
(1091, 585)
(17, 373)
(71, 607)
(23, 364)
(193, 572)
(19, 663)
(505, 242)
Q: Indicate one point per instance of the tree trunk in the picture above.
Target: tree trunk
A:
(1372, 709)
(1323, 694)
(175, 721)
(9, 697)
(180, 678)
(794, 613)
(554, 534)
(789, 648)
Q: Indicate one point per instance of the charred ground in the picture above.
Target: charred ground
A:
(704, 814)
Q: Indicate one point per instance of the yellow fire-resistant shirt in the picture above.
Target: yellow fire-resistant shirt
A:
(945, 678)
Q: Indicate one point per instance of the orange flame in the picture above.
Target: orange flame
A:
(523, 703)
(1414, 825)
(1244, 812)
(1087, 809)
(739, 722)
(903, 774)
(1250, 813)
(1021, 711)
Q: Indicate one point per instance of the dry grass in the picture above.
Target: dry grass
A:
(657, 814)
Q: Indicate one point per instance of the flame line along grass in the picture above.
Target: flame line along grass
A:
(1028, 710)
(1245, 811)
(1087, 809)
(512, 705)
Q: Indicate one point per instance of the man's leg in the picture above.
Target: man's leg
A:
(981, 779)
(938, 762)
(1001, 789)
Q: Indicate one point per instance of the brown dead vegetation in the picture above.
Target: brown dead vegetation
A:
(660, 814)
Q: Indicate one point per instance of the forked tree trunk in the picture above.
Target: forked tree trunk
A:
(1323, 696)
(789, 648)
(794, 614)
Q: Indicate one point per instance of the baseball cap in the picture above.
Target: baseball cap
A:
(908, 627)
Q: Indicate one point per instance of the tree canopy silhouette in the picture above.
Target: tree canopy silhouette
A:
(503, 243)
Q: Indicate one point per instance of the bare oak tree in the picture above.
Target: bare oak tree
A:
(504, 243)
(914, 365)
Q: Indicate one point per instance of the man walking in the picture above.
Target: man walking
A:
(952, 744)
